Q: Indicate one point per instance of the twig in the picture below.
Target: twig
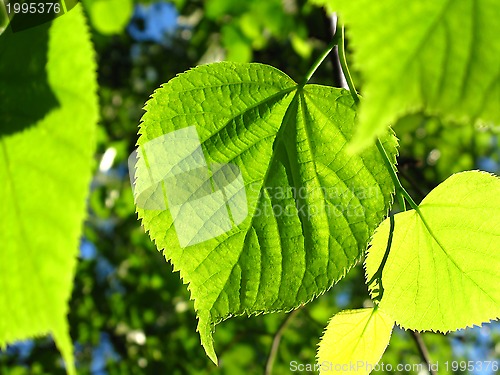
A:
(276, 341)
(338, 79)
(422, 349)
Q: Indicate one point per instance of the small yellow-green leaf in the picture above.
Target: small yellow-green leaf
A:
(443, 270)
(354, 341)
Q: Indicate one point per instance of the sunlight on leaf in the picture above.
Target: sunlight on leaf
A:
(311, 205)
(442, 272)
(435, 56)
(354, 341)
(49, 114)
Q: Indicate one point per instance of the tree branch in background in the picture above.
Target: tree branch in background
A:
(422, 349)
(277, 339)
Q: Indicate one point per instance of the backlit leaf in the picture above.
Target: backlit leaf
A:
(442, 272)
(49, 113)
(354, 341)
(435, 56)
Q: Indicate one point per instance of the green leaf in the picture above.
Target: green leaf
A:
(435, 56)
(284, 138)
(49, 114)
(109, 16)
(442, 271)
(238, 47)
(354, 341)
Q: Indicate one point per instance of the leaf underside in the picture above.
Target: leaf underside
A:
(442, 271)
(283, 138)
(439, 57)
(49, 114)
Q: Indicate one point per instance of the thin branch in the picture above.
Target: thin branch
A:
(276, 341)
(343, 64)
(401, 193)
(338, 79)
(422, 349)
(320, 59)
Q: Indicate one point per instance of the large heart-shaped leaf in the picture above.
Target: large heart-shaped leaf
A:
(442, 271)
(48, 117)
(308, 207)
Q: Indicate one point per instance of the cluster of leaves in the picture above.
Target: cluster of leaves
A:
(295, 136)
(37, 77)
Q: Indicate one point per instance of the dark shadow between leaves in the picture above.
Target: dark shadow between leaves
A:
(26, 14)
(25, 93)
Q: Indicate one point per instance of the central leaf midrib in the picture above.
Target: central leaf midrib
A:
(279, 138)
(360, 338)
(412, 56)
(307, 233)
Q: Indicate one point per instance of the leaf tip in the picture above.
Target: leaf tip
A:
(205, 329)
(65, 346)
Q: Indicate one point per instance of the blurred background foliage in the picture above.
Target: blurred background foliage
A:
(129, 313)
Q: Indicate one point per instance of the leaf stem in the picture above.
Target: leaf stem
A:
(320, 59)
(63, 6)
(345, 68)
(378, 275)
(401, 193)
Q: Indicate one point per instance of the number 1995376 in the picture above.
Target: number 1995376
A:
(40, 8)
